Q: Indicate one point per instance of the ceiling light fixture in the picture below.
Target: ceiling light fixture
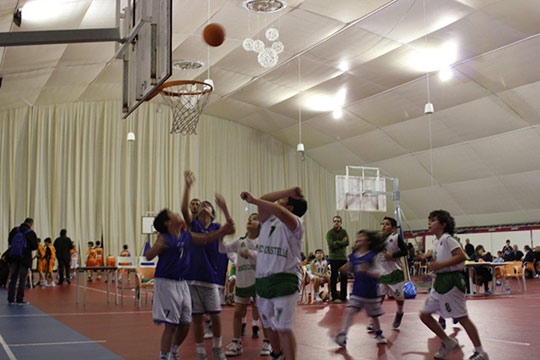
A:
(185, 65)
(265, 6)
(446, 73)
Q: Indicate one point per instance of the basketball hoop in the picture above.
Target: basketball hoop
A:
(187, 99)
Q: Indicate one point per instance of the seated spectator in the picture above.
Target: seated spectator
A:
(499, 258)
(517, 254)
(483, 273)
(529, 262)
(318, 273)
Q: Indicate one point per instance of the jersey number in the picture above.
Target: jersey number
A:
(279, 312)
(272, 230)
(447, 306)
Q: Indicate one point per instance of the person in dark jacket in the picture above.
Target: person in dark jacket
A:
(469, 248)
(63, 245)
(21, 264)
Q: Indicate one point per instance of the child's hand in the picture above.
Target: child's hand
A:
(220, 201)
(434, 266)
(246, 197)
(297, 193)
(363, 267)
(228, 228)
(189, 178)
(244, 253)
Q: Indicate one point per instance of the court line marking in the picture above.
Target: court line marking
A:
(79, 314)
(507, 341)
(10, 355)
(60, 343)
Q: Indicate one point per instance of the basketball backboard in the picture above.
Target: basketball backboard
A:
(353, 193)
(146, 54)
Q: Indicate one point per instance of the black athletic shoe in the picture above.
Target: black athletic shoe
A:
(255, 332)
(397, 320)
(243, 329)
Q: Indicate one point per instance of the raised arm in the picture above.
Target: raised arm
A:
(226, 248)
(276, 195)
(189, 178)
(205, 239)
(270, 208)
(220, 202)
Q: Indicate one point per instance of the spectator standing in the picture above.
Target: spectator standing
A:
(63, 246)
(338, 240)
(507, 251)
(469, 248)
(23, 241)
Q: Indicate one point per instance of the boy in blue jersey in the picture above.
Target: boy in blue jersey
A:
(172, 302)
(207, 272)
(362, 262)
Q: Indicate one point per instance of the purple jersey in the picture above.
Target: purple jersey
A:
(364, 285)
(174, 261)
(207, 264)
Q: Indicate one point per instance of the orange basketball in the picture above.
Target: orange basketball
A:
(214, 34)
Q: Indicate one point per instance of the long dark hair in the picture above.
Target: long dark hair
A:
(376, 244)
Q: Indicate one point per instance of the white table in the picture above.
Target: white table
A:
(471, 265)
(107, 270)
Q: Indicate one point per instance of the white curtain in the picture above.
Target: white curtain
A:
(70, 166)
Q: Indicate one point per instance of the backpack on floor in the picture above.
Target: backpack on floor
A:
(18, 244)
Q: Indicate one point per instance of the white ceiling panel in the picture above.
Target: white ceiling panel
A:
(87, 54)
(301, 29)
(424, 200)
(447, 159)
(347, 126)
(524, 101)
(481, 196)
(100, 14)
(522, 15)
(385, 109)
(224, 81)
(230, 109)
(507, 217)
(408, 170)
(311, 138)
(30, 58)
(414, 134)
(524, 188)
(368, 46)
(510, 153)
(343, 10)
(68, 14)
(404, 20)
(480, 118)
(267, 121)
(264, 93)
(506, 68)
(312, 73)
(334, 156)
(374, 146)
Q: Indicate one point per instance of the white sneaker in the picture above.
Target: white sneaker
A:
(173, 355)
(218, 353)
(234, 348)
(208, 333)
(381, 339)
(482, 355)
(341, 339)
(318, 299)
(447, 348)
(266, 348)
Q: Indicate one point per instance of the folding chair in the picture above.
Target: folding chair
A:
(124, 265)
(143, 262)
(515, 270)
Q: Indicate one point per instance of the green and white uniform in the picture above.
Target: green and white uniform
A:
(392, 278)
(447, 296)
(320, 267)
(245, 268)
(278, 272)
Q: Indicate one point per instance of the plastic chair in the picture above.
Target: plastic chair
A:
(124, 264)
(145, 280)
(515, 270)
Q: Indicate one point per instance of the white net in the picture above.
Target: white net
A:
(187, 101)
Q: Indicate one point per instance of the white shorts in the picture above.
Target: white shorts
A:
(244, 300)
(172, 303)
(393, 290)
(449, 305)
(278, 313)
(206, 300)
(372, 306)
